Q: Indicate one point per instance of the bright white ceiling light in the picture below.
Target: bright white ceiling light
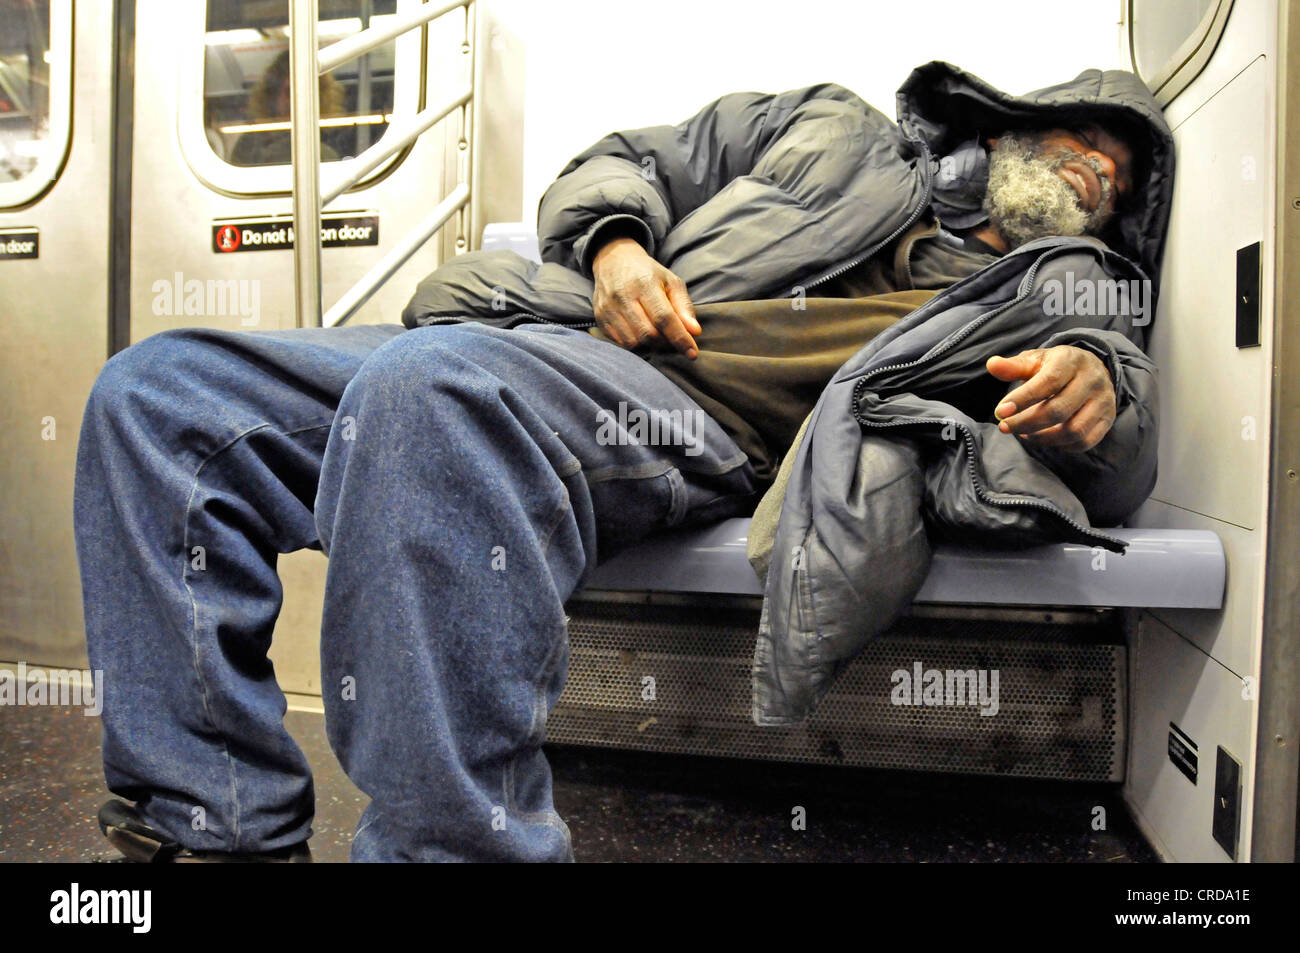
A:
(327, 122)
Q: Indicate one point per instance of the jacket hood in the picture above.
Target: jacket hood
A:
(951, 109)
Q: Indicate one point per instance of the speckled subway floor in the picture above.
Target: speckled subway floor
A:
(624, 806)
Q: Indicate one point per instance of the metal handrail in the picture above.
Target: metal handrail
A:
(306, 65)
(336, 54)
(395, 141)
(383, 269)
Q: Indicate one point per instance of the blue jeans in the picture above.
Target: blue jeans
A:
(462, 480)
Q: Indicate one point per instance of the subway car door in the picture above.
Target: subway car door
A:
(210, 194)
(56, 108)
(1209, 716)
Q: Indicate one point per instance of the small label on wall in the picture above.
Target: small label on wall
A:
(1182, 752)
(270, 234)
(20, 243)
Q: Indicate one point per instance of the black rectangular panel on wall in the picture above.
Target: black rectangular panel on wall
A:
(1248, 296)
(1226, 821)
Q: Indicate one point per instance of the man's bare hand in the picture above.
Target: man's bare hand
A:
(638, 300)
(1067, 400)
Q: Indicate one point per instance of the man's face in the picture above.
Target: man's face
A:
(1056, 182)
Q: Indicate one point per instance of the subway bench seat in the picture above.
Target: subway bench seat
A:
(661, 642)
(662, 639)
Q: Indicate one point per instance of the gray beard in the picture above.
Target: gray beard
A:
(1027, 200)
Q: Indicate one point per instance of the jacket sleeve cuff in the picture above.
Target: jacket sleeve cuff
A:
(1105, 352)
(605, 230)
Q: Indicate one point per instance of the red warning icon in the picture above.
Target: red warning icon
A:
(227, 238)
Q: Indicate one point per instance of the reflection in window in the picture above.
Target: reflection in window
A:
(246, 81)
(24, 86)
(1160, 27)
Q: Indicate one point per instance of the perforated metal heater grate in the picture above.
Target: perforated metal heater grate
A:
(676, 678)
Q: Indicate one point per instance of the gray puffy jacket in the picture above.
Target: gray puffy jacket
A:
(759, 196)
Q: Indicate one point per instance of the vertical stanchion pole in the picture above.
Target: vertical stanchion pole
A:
(304, 118)
(465, 165)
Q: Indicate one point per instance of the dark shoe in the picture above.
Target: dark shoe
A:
(142, 844)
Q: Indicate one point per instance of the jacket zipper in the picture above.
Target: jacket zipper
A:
(856, 260)
(982, 492)
(1026, 284)
(969, 440)
(576, 325)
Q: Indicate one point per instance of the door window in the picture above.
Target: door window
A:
(35, 96)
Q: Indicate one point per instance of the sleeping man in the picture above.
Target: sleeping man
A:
(847, 318)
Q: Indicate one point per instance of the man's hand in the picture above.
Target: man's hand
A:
(637, 299)
(1066, 402)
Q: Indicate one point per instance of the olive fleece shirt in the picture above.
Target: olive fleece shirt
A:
(763, 364)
